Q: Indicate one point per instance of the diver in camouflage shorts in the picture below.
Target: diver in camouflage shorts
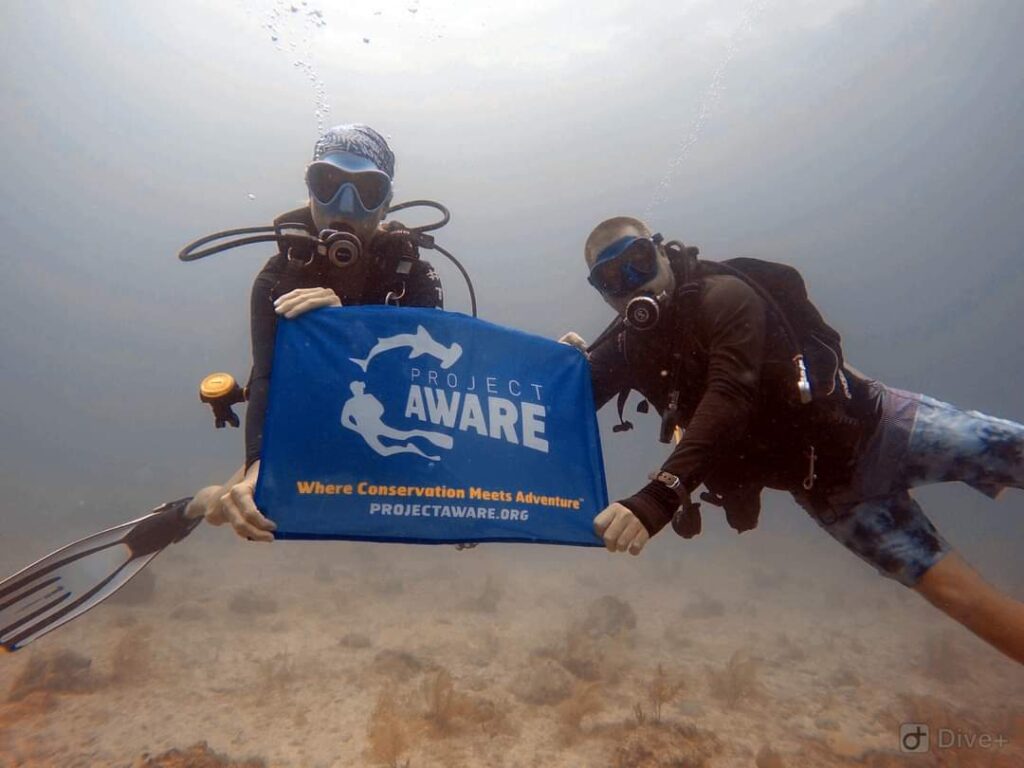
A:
(919, 441)
(707, 348)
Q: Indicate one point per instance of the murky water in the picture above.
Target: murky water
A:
(749, 16)
(874, 147)
(291, 28)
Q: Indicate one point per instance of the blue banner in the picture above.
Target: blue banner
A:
(418, 425)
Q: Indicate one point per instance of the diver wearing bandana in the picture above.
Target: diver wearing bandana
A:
(350, 183)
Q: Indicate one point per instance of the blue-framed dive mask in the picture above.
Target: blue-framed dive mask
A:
(625, 265)
(345, 188)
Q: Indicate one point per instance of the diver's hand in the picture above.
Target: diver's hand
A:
(303, 300)
(574, 340)
(620, 529)
(238, 508)
(205, 503)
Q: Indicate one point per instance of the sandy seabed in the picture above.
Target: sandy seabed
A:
(340, 654)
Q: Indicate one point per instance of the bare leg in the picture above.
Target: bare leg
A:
(956, 589)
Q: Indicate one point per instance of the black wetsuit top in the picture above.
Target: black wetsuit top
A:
(422, 288)
(744, 428)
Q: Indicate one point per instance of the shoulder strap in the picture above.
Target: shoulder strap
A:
(683, 261)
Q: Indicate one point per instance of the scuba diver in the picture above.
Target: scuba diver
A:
(358, 259)
(334, 251)
(751, 381)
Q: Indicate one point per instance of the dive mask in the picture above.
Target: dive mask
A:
(348, 192)
(625, 265)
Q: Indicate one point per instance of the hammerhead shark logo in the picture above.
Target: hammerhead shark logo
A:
(419, 343)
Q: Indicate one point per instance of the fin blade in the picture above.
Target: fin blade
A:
(68, 582)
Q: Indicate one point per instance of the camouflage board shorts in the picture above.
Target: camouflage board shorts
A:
(919, 440)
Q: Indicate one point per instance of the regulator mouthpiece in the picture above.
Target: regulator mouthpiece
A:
(642, 313)
(342, 249)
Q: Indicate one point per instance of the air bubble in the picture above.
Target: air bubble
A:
(751, 12)
(291, 24)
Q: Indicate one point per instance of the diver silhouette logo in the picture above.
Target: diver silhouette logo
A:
(364, 414)
(419, 344)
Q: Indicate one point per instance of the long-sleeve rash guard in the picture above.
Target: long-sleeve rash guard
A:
(732, 320)
(278, 277)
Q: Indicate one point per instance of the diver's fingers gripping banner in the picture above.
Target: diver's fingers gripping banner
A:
(425, 426)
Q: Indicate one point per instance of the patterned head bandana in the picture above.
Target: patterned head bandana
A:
(360, 140)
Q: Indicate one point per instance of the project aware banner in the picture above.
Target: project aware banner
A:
(418, 425)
